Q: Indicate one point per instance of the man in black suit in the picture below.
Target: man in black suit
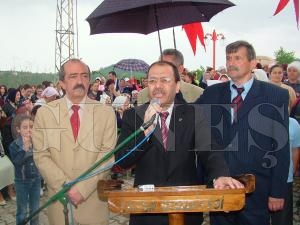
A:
(112, 75)
(170, 161)
(249, 119)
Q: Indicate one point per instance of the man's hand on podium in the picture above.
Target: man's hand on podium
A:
(227, 183)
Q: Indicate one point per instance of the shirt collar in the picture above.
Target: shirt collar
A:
(170, 109)
(246, 86)
(69, 103)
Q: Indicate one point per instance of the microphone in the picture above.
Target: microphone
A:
(154, 101)
(147, 124)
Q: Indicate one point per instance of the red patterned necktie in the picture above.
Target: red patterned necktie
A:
(237, 101)
(164, 128)
(75, 120)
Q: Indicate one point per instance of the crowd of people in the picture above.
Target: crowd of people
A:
(53, 133)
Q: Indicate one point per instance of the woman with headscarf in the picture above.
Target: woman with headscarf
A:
(203, 82)
(293, 74)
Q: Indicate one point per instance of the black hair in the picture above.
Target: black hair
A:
(162, 63)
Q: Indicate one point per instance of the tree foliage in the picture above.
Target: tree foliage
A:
(16, 78)
(284, 57)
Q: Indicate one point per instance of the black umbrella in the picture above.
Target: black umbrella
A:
(147, 16)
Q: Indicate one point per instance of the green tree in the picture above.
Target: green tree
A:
(284, 57)
(199, 73)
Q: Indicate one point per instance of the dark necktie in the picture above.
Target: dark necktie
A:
(75, 121)
(164, 128)
(237, 101)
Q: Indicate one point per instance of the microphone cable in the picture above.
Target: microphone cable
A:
(109, 166)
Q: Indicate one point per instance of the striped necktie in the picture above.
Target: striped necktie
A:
(164, 128)
(237, 101)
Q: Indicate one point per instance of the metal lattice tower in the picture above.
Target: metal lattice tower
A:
(65, 25)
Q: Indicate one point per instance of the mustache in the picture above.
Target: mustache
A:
(158, 91)
(233, 68)
(79, 86)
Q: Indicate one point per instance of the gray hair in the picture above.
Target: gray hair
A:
(235, 46)
(178, 57)
(62, 73)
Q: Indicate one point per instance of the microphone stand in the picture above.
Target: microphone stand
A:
(61, 195)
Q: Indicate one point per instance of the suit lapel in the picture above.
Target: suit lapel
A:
(177, 120)
(86, 122)
(65, 119)
(176, 132)
(251, 99)
(225, 99)
(225, 93)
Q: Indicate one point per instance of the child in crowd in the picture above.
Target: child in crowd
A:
(27, 177)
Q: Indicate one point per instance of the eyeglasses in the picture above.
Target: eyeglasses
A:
(163, 80)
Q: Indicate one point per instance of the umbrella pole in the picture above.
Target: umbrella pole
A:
(174, 39)
(157, 26)
(159, 43)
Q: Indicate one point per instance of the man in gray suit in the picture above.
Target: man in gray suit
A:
(189, 92)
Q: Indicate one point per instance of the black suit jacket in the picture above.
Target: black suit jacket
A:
(257, 142)
(188, 138)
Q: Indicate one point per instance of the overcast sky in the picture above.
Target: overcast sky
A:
(28, 35)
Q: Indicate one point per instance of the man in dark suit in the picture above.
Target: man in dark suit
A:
(249, 119)
(189, 92)
(112, 75)
(170, 161)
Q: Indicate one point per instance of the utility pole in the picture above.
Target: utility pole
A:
(65, 26)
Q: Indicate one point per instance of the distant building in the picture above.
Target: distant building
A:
(265, 60)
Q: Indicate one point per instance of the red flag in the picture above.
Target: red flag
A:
(281, 6)
(297, 9)
(194, 30)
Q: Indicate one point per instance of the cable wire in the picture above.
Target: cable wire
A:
(100, 170)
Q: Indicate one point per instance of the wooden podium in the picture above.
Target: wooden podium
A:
(176, 200)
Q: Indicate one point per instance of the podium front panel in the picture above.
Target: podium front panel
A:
(178, 199)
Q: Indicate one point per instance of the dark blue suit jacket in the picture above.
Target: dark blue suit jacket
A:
(257, 142)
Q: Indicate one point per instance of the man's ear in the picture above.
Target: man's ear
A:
(62, 84)
(178, 87)
(180, 69)
(253, 64)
